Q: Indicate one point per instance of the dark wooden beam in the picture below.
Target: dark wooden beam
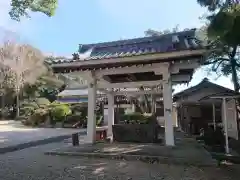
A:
(107, 78)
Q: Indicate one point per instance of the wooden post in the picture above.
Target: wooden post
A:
(133, 107)
(153, 110)
(110, 115)
(225, 125)
(167, 100)
(75, 139)
(214, 116)
(91, 124)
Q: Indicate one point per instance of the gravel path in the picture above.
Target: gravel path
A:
(13, 133)
(32, 164)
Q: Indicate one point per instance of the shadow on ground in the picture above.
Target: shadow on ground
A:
(187, 151)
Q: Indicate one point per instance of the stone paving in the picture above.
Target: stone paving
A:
(32, 164)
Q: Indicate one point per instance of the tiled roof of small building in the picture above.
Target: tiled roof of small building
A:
(171, 42)
(205, 83)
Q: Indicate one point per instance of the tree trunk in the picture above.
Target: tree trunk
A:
(234, 70)
(236, 89)
(2, 106)
(146, 102)
(138, 106)
(17, 105)
(236, 85)
(18, 91)
(141, 106)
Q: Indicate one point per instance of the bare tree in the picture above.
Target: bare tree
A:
(24, 62)
(6, 86)
(2, 88)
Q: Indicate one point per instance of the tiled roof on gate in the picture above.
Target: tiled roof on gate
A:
(171, 42)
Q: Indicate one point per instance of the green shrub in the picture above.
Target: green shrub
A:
(79, 108)
(4, 112)
(42, 102)
(27, 108)
(56, 103)
(26, 111)
(73, 118)
(39, 116)
(99, 120)
(214, 138)
(76, 107)
(59, 111)
(76, 120)
(135, 118)
(29, 103)
(26, 122)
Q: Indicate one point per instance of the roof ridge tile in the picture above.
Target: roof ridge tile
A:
(128, 41)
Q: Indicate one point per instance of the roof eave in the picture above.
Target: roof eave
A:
(184, 93)
(134, 58)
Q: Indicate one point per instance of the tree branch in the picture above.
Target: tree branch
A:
(234, 51)
(217, 60)
(238, 65)
(219, 63)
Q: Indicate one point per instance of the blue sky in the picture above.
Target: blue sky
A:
(90, 21)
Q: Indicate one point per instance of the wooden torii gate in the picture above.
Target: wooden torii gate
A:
(155, 63)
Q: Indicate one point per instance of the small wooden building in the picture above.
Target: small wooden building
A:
(196, 109)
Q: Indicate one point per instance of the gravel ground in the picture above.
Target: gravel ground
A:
(13, 133)
(32, 164)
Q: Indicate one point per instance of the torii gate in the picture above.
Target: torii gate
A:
(155, 63)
